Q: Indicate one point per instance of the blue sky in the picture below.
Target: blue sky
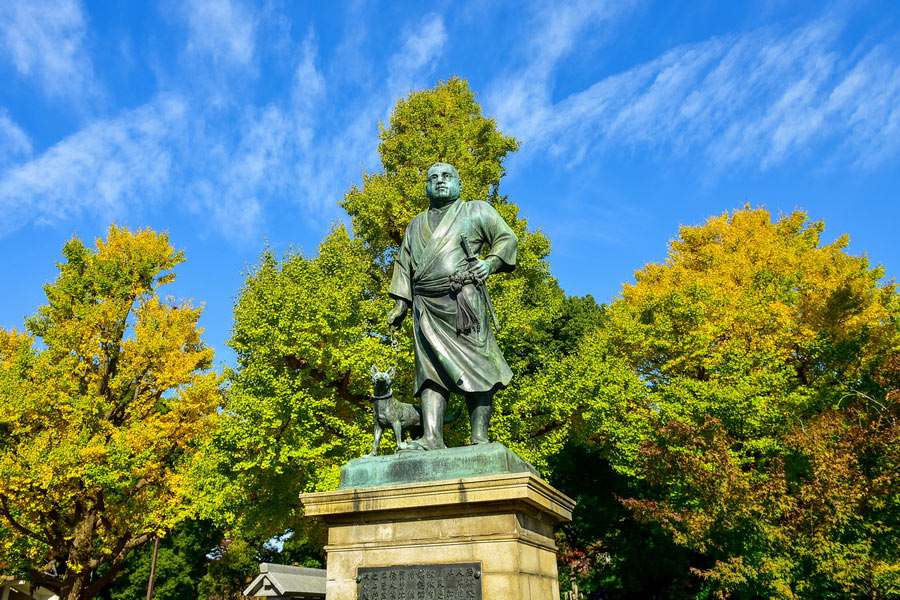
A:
(235, 124)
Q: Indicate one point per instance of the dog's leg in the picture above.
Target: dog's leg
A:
(398, 434)
(377, 442)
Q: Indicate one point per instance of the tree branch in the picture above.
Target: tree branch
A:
(115, 563)
(45, 580)
(547, 429)
(113, 349)
(340, 383)
(4, 508)
(119, 407)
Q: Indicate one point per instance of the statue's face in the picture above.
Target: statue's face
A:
(443, 183)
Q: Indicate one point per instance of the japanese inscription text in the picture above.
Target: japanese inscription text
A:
(458, 581)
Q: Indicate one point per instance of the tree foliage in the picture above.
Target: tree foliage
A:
(103, 401)
(604, 548)
(771, 448)
(235, 562)
(182, 563)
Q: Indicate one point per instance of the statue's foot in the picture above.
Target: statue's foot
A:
(413, 445)
(424, 444)
(480, 440)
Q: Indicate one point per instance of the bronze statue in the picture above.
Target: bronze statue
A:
(437, 272)
(390, 413)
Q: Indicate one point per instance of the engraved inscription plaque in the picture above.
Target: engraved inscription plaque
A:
(457, 581)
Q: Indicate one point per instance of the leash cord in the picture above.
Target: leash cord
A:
(395, 345)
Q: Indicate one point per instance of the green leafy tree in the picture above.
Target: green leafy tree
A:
(235, 561)
(103, 403)
(234, 565)
(770, 447)
(604, 548)
(182, 562)
(307, 328)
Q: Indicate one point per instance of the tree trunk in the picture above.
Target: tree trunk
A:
(76, 588)
(79, 580)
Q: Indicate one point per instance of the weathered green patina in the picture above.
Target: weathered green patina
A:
(437, 272)
(418, 467)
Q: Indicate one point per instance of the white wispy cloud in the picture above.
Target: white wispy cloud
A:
(422, 44)
(302, 151)
(237, 180)
(14, 142)
(328, 169)
(108, 168)
(754, 98)
(522, 98)
(350, 60)
(221, 30)
(226, 162)
(308, 82)
(230, 161)
(45, 41)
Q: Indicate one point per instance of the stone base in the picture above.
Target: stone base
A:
(504, 522)
(411, 466)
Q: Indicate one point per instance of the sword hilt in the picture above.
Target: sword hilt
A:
(470, 257)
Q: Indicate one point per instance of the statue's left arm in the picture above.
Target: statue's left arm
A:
(497, 234)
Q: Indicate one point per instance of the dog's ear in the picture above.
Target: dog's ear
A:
(392, 372)
(373, 371)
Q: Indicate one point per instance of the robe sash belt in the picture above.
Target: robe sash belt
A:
(467, 319)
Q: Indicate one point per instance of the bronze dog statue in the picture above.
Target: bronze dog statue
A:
(390, 413)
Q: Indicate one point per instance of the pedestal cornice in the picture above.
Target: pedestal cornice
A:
(481, 493)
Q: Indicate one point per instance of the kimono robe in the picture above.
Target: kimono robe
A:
(458, 362)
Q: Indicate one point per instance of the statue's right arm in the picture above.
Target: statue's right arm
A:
(395, 315)
(401, 285)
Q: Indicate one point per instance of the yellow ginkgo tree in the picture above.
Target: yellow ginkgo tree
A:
(103, 401)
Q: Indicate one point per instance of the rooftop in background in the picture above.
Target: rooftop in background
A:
(17, 589)
(287, 581)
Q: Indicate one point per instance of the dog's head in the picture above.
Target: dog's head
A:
(381, 380)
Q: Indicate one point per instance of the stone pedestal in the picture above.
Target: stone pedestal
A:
(502, 523)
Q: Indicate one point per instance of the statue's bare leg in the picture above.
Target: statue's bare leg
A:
(480, 405)
(434, 405)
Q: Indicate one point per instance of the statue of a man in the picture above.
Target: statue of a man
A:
(438, 273)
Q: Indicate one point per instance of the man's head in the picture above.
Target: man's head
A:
(443, 183)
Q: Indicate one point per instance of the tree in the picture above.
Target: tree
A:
(307, 328)
(181, 564)
(236, 560)
(771, 450)
(103, 403)
(604, 548)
